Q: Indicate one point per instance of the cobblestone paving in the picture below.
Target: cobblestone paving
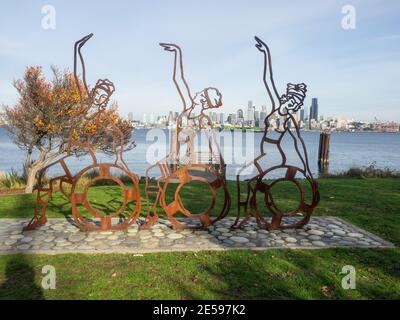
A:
(61, 236)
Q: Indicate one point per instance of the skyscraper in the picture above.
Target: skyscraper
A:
(314, 109)
(240, 114)
(263, 115)
(221, 118)
(306, 113)
(250, 114)
(301, 114)
(171, 118)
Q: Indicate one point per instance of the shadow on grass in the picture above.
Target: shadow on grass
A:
(19, 283)
(257, 276)
(292, 274)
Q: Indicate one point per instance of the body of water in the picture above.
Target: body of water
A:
(346, 150)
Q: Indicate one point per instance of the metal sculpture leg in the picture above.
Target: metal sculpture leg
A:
(242, 204)
(44, 196)
(39, 218)
(151, 189)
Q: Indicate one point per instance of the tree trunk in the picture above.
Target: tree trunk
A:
(43, 161)
(31, 178)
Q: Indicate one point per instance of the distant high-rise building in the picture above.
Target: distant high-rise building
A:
(213, 116)
(130, 116)
(233, 118)
(171, 118)
(301, 114)
(240, 114)
(221, 118)
(314, 109)
(250, 114)
(257, 118)
(306, 113)
(263, 115)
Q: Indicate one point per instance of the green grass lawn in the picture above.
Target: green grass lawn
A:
(278, 274)
(372, 204)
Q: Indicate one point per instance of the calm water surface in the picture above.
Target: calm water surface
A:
(347, 150)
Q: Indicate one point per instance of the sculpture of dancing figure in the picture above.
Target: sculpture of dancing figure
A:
(182, 164)
(92, 111)
(283, 107)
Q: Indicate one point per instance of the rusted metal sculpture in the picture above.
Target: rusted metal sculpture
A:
(93, 109)
(283, 107)
(183, 166)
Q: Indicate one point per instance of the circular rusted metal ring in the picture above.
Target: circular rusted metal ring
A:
(98, 213)
(184, 177)
(132, 194)
(181, 205)
(271, 205)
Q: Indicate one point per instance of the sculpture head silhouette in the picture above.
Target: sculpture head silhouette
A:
(209, 98)
(102, 93)
(294, 97)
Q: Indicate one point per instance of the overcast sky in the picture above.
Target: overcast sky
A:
(354, 73)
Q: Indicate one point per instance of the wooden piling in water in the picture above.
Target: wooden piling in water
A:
(323, 152)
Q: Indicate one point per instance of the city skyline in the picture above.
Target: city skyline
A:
(354, 73)
(307, 118)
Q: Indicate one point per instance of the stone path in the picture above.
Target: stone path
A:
(61, 236)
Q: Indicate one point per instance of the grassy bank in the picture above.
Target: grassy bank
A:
(372, 204)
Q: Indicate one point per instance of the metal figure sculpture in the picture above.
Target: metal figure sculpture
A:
(182, 165)
(93, 104)
(283, 106)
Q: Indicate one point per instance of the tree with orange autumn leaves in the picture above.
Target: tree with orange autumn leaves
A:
(48, 114)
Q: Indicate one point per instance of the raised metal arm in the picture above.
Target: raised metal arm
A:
(77, 52)
(268, 76)
(178, 75)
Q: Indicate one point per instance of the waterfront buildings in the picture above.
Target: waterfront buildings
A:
(308, 118)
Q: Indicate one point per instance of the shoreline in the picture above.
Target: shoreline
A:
(259, 130)
(262, 131)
